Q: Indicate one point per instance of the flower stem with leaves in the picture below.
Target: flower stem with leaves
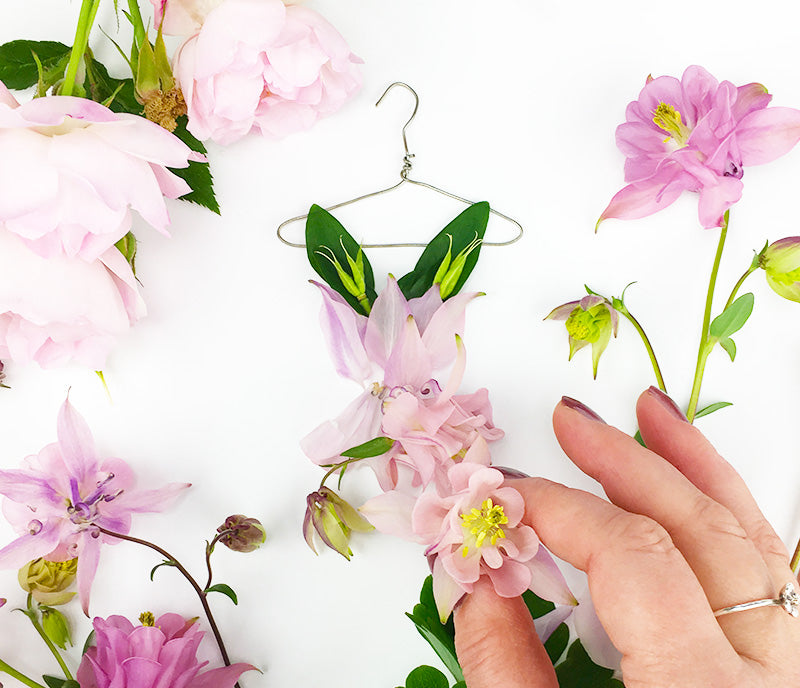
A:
(22, 678)
(85, 22)
(31, 613)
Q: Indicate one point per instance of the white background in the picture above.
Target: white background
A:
(519, 102)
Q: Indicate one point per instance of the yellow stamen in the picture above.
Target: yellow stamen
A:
(147, 619)
(483, 523)
(668, 118)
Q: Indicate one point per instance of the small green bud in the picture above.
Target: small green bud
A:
(442, 271)
(355, 281)
(48, 581)
(453, 272)
(56, 627)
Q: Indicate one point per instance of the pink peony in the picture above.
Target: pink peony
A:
(697, 134)
(259, 64)
(473, 530)
(73, 170)
(63, 309)
(162, 654)
(58, 502)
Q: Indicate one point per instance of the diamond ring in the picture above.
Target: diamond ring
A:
(788, 598)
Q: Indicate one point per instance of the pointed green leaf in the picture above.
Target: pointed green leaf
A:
(18, 68)
(325, 235)
(536, 605)
(463, 230)
(711, 408)
(579, 671)
(225, 590)
(728, 344)
(557, 643)
(198, 174)
(158, 566)
(56, 682)
(733, 318)
(426, 677)
(374, 447)
(638, 438)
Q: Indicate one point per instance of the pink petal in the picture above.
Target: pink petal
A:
(593, 636)
(511, 579)
(88, 560)
(76, 442)
(223, 677)
(646, 197)
(716, 199)
(138, 671)
(390, 513)
(446, 592)
(545, 625)
(20, 551)
(6, 97)
(547, 581)
(446, 323)
(409, 363)
(151, 500)
(387, 323)
(765, 135)
(344, 332)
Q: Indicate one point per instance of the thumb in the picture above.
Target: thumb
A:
(496, 642)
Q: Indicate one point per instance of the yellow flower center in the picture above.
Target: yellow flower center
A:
(483, 523)
(587, 326)
(147, 619)
(668, 118)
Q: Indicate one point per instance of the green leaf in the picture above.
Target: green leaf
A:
(374, 447)
(557, 643)
(711, 408)
(729, 346)
(89, 642)
(579, 671)
(460, 684)
(198, 174)
(56, 682)
(440, 636)
(166, 562)
(427, 677)
(116, 94)
(463, 230)
(638, 438)
(733, 318)
(325, 235)
(536, 605)
(225, 590)
(18, 68)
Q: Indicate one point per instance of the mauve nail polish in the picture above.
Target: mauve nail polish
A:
(584, 410)
(667, 403)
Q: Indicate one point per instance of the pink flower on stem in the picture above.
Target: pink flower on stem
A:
(65, 494)
(160, 654)
(257, 64)
(474, 530)
(697, 134)
(73, 170)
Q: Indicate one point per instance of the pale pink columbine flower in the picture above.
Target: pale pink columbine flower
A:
(160, 653)
(474, 530)
(257, 64)
(59, 310)
(65, 494)
(73, 171)
(697, 134)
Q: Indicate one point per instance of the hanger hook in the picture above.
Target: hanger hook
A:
(408, 155)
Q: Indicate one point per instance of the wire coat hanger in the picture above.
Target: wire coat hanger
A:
(404, 178)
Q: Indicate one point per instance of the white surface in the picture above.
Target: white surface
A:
(519, 102)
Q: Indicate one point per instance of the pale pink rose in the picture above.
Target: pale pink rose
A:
(72, 170)
(182, 17)
(257, 64)
(63, 309)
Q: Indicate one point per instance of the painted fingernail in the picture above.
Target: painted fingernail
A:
(512, 473)
(584, 410)
(667, 403)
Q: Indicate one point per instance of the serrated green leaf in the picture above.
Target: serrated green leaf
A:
(198, 174)
(427, 677)
(324, 233)
(729, 346)
(225, 590)
(711, 408)
(536, 605)
(463, 230)
(733, 318)
(557, 643)
(166, 562)
(374, 447)
(18, 68)
(579, 671)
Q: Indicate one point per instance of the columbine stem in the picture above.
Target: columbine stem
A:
(31, 614)
(84, 28)
(210, 551)
(200, 592)
(22, 678)
(795, 563)
(705, 349)
(339, 466)
(646, 341)
(738, 285)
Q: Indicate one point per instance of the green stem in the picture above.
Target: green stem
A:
(704, 349)
(738, 285)
(31, 614)
(795, 563)
(335, 468)
(646, 341)
(84, 28)
(22, 678)
(139, 32)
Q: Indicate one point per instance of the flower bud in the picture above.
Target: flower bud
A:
(592, 320)
(48, 581)
(781, 262)
(355, 282)
(242, 534)
(448, 274)
(56, 627)
(333, 519)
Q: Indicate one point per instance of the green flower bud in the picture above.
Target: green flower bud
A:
(355, 281)
(781, 262)
(448, 274)
(48, 581)
(333, 519)
(56, 627)
(242, 534)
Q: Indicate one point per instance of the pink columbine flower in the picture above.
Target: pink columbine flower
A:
(697, 134)
(474, 530)
(160, 653)
(257, 64)
(73, 171)
(58, 310)
(65, 494)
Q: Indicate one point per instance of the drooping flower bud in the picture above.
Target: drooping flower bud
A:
(333, 519)
(56, 627)
(242, 534)
(48, 581)
(781, 262)
(591, 320)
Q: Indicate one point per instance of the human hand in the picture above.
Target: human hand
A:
(681, 537)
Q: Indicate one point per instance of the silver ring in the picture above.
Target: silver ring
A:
(788, 598)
